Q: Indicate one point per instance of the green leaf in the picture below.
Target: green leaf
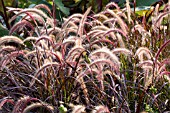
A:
(139, 2)
(142, 10)
(61, 7)
(62, 109)
(121, 2)
(8, 3)
(145, 2)
(3, 31)
(76, 1)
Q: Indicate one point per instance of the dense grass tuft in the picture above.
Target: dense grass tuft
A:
(112, 61)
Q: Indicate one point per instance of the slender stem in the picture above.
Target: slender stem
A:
(168, 29)
(140, 101)
(5, 15)
(54, 13)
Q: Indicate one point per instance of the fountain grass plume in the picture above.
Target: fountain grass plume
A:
(7, 49)
(115, 30)
(119, 20)
(64, 25)
(101, 17)
(19, 25)
(54, 64)
(106, 52)
(22, 103)
(82, 22)
(101, 109)
(9, 57)
(7, 39)
(112, 4)
(44, 38)
(42, 6)
(161, 49)
(33, 10)
(102, 61)
(143, 51)
(128, 11)
(6, 100)
(122, 51)
(39, 105)
(30, 39)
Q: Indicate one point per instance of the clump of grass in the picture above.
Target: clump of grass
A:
(105, 62)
